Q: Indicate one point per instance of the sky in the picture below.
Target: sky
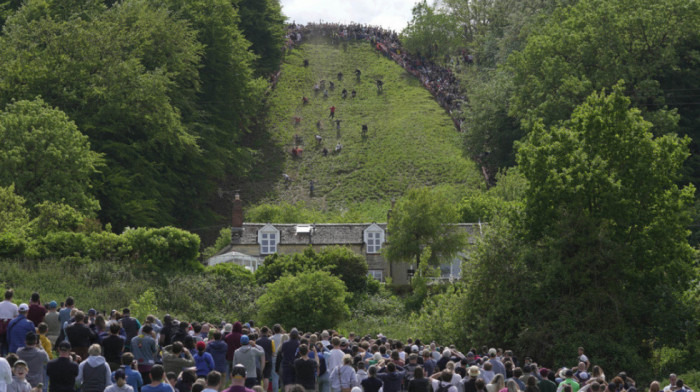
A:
(392, 14)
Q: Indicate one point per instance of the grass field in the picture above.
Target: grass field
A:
(410, 142)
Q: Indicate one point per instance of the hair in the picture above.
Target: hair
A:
(479, 384)
(595, 386)
(213, 378)
(335, 341)
(498, 382)
(177, 347)
(372, 371)
(70, 301)
(114, 327)
(297, 388)
(126, 311)
(567, 388)
(597, 371)
(216, 335)
(517, 372)
(171, 376)
(79, 316)
(531, 381)
(450, 366)
(147, 329)
(488, 366)
(347, 359)
(512, 386)
(197, 387)
(9, 293)
(189, 376)
(43, 327)
(418, 372)
(35, 297)
(303, 349)
(156, 372)
(276, 328)
(264, 330)
(95, 350)
(446, 376)
(127, 359)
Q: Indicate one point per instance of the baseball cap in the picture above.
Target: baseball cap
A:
(414, 349)
(245, 339)
(238, 371)
(23, 308)
(20, 362)
(53, 305)
(492, 351)
(201, 345)
(228, 327)
(343, 341)
(92, 312)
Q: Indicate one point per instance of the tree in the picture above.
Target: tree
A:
(262, 23)
(45, 156)
(603, 229)
(310, 301)
(431, 33)
(13, 216)
(424, 218)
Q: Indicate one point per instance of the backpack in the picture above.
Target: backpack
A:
(443, 387)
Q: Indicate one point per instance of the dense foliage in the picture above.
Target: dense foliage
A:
(288, 301)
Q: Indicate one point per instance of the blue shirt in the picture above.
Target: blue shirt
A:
(162, 387)
(133, 378)
(17, 331)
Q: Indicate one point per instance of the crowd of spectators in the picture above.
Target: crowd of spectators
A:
(439, 80)
(63, 349)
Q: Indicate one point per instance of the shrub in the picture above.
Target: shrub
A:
(162, 249)
(310, 301)
(234, 273)
(221, 242)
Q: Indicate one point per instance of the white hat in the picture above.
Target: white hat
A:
(492, 352)
(23, 307)
(414, 349)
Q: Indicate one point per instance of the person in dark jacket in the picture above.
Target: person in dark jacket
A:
(18, 327)
(80, 335)
(131, 327)
(372, 383)
(218, 349)
(419, 383)
(268, 346)
(62, 371)
(233, 340)
(392, 376)
(286, 357)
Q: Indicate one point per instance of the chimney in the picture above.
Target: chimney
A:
(237, 216)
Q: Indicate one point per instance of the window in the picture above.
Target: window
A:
(268, 245)
(374, 238)
(268, 238)
(374, 244)
(376, 274)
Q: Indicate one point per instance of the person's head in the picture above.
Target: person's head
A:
(34, 298)
(127, 359)
(512, 386)
(238, 375)
(64, 349)
(189, 376)
(177, 347)
(297, 388)
(566, 388)
(52, 306)
(172, 378)
(595, 387)
(679, 383)
(157, 373)
(79, 316)
(294, 334)
(569, 373)
(531, 381)
(335, 341)
(498, 381)
(70, 302)
(450, 366)
(120, 377)
(23, 308)
(114, 328)
(673, 378)
(488, 366)
(582, 366)
(213, 379)
(126, 312)
(201, 346)
(418, 373)
(391, 367)
(147, 329)
(517, 372)
(480, 384)
(20, 369)
(303, 350)
(95, 350)
(30, 339)
(446, 376)
(492, 353)
(347, 359)
(597, 371)
(9, 293)
(580, 351)
(277, 328)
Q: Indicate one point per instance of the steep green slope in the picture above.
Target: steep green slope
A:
(411, 141)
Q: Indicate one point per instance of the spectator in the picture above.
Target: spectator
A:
(18, 328)
(157, 384)
(37, 311)
(93, 373)
(36, 359)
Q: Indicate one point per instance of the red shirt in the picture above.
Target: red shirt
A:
(332, 109)
(36, 313)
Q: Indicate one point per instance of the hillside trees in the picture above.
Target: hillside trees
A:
(262, 23)
(45, 156)
(604, 227)
(424, 218)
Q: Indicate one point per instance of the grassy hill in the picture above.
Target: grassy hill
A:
(411, 141)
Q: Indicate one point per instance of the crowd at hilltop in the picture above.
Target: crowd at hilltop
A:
(63, 349)
(440, 81)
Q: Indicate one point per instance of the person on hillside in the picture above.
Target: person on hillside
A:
(304, 100)
(37, 311)
(286, 357)
(120, 384)
(311, 188)
(249, 355)
(340, 76)
(203, 360)
(113, 345)
(218, 348)
(344, 93)
(233, 339)
(64, 315)
(380, 85)
(324, 152)
(278, 337)
(358, 73)
(581, 375)
(8, 311)
(469, 383)
(157, 384)
(144, 348)
(51, 319)
(672, 378)
(305, 369)
(35, 357)
(238, 377)
(93, 373)
(332, 114)
(353, 93)
(80, 335)
(62, 371)
(268, 347)
(133, 377)
(176, 357)
(372, 383)
(325, 93)
(331, 86)
(338, 148)
(496, 384)
(18, 328)
(306, 62)
(583, 358)
(213, 382)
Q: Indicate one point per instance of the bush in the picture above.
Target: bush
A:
(221, 242)
(11, 245)
(309, 301)
(234, 273)
(162, 249)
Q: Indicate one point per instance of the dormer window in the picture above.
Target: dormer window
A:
(374, 238)
(268, 238)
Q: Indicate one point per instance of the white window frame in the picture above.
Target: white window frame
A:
(373, 238)
(268, 238)
(376, 274)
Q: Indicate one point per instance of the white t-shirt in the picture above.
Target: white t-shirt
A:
(8, 310)
(334, 359)
(583, 358)
(5, 374)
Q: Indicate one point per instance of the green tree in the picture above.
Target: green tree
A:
(14, 217)
(431, 33)
(310, 301)
(262, 23)
(424, 218)
(46, 157)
